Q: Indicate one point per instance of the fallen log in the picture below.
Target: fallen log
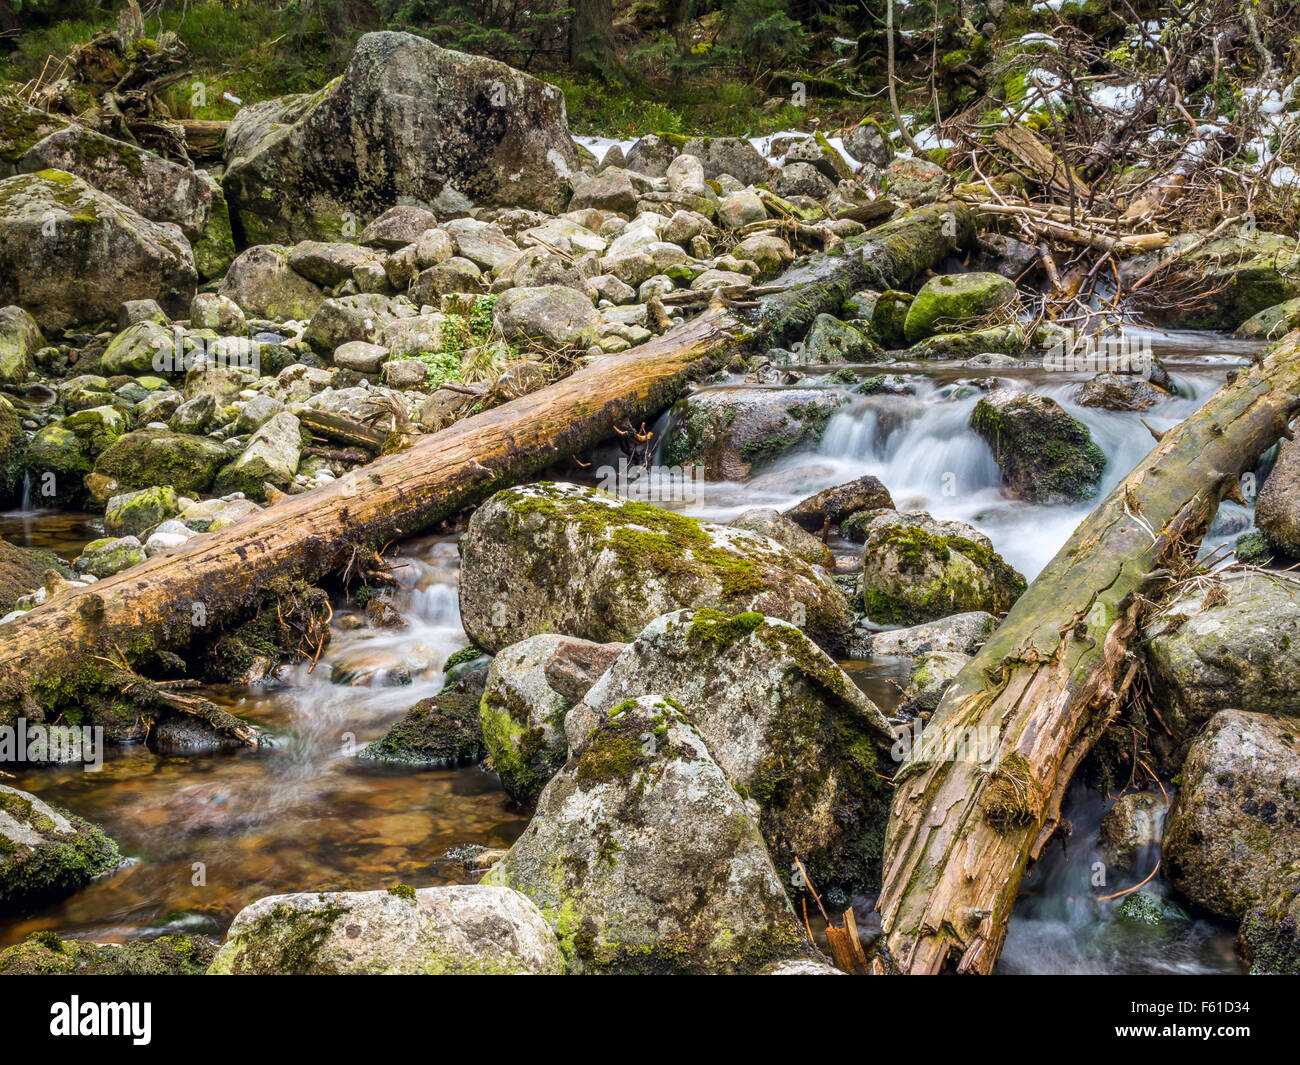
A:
(1052, 677)
(49, 657)
(344, 430)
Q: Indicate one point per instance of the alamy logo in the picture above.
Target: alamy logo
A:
(187, 353)
(653, 484)
(79, 1018)
(1116, 353)
(62, 744)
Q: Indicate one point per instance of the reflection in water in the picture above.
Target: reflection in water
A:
(209, 834)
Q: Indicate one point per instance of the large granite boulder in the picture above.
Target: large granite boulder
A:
(407, 122)
(563, 558)
(71, 254)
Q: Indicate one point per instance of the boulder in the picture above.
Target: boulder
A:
(916, 569)
(1239, 275)
(45, 954)
(786, 725)
(20, 340)
(550, 316)
(221, 314)
(1113, 391)
(931, 674)
(1277, 508)
(436, 733)
(1273, 322)
(961, 634)
(522, 716)
(150, 185)
(914, 181)
(467, 930)
(831, 506)
(735, 432)
(149, 457)
(109, 555)
(329, 263)
(263, 284)
(46, 853)
(1234, 830)
(271, 457)
(610, 190)
(770, 523)
(867, 142)
(727, 155)
(398, 227)
(485, 244)
(644, 859)
(407, 121)
(1223, 646)
(651, 155)
(831, 341)
(1046, 455)
(21, 126)
(71, 254)
(143, 348)
(346, 319)
(802, 179)
(13, 454)
(134, 513)
(956, 299)
(64, 451)
(563, 558)
(1269, 936)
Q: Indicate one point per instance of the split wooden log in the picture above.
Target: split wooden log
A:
(1052, 677)
(343, 429)
(49, 658)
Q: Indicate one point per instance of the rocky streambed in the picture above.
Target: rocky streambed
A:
(621, 716)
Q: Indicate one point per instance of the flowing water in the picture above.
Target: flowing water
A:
(209, 833)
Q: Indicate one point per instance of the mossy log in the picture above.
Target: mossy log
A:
(1052, 677)
(53, 656)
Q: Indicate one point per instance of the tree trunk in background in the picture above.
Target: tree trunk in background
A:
(591, 40)
(54, 656)
(1049, 681)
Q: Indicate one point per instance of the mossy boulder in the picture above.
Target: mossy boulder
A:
(149, 457)
(434, 931)
(889, 316)
(950, 300)
(999, 339)
(142, 348)
(522, 715)
(21, 126)
(134, 513)
(1046, 455)
(1115, 391)
(270, 457)
(22, 570)
(735, 432)
(1238, 274)
(770, 523)
(915, 569)
(831, 341)
(13, 454)
(643, 857)
(45, 954)
(20, 340)
(787, 726)
(109, 555)
(407, 122)
(1272, 322)
(46, 853)
(71, 254)
(1234, 830)
(436, 733)
(144, 181)
(1269, 936)
(263, 285)
(562, 558)
(64, 451)
(1224, 646)
(1277, 509)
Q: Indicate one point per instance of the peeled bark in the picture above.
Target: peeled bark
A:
(1050, 680)
(55, 655)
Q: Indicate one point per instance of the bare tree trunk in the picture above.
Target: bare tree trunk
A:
(591, 40)
(53, 656)
(1053, 676)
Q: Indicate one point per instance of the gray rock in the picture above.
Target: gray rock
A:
(271, 457)
(728, 155)
(1135, 822)
(610, 190)
(628, 879)
(867, 142)
(482, 243)
(20, 340)
(1234, 830)
(360, 356)
(97, 254)
(831, 341)
(789, 729)
(467, 930)
(802, 179)
(398, 226)
(770, 523)
(47, 853)
(733, 433)
(1226, 646)
(831, 506)
(1277, 509)
(406, 121)
(960, 633)
(351, 318)
(561, 558)
(328, 263)
(221, 314)
(553, 316)
(916, 569)
(262, 283)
